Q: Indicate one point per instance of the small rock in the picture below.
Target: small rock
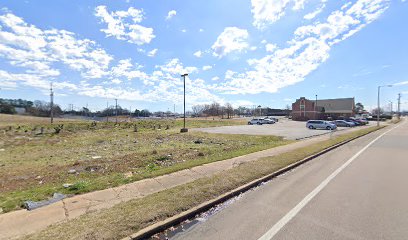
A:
(67, 185)
(40, 182)
(96, 157)
(128, 174)
(72, 171)
(200, 154)
(198, 141)
(38, 177)
(2, 149)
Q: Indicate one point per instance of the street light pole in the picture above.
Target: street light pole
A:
(184, 129)
(315, 108)
(390, 108)
(378, 103)
(116, 110)
(399, 104)
(52, 104)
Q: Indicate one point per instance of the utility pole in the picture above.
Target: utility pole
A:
(399, 105)
(107, 111)
(52, 104)
(378, 103)
(184, 129)
(116, 109)
(390, 108)
(315, 108)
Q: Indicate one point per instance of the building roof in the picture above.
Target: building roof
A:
(339, 105)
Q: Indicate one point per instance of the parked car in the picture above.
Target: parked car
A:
(357, 123)
(342, 123)
(272, 118)
(362, 121)
(320, 124)
(257, 121)
(267, 121)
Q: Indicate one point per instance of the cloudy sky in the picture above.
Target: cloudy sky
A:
(247, 52)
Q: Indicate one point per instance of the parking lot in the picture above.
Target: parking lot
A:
(288, 129)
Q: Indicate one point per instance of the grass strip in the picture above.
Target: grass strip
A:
(127, 218)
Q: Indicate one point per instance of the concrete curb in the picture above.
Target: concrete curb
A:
(179, 218)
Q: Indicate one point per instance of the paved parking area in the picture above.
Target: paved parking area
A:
(286, 128)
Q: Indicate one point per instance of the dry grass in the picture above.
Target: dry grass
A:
(12, 120)
(130, 217)
(33, 166)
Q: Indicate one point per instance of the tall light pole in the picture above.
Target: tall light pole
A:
(116, 109)
(390, 108)
(378, 103)
(51, 104)
(315, 108)
(399, 104)
(184, 129)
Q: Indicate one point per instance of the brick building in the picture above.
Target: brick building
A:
(304, 109)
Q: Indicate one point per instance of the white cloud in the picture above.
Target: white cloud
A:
(230, 40)
(123, 25)
(198, 54)
(242, 103)
(201, 30)
(270, 47)
(316, 12)
(401, 83)
(183, 30)
(266, 12)
(37, 50)
(116, 81)
(208, 67)
(153, 52)
(308, 49)
(171, 14)
(215, 78)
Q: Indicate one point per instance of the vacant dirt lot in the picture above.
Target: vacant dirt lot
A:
(35, 160)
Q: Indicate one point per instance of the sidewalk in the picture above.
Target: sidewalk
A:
(19, 223)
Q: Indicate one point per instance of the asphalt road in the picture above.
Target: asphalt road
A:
(358, 191)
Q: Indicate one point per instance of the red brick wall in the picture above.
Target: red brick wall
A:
(305, 114)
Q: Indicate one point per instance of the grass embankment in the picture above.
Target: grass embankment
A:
(129, 217)
(33, 166)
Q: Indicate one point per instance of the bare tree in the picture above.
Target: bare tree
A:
(198, 110)
(229, 110)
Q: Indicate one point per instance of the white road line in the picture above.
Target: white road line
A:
(294, 211)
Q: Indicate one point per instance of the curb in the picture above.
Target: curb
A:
(169, 222)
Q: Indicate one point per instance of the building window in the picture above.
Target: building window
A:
(302, 107)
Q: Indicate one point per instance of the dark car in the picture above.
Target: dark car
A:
(343, 123)
(360, 120)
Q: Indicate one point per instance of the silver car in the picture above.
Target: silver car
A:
(320, 124)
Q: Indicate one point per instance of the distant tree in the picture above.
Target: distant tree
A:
(229, 110)
(145, 113)
(7, 108)
(359, 108)
(198, 110)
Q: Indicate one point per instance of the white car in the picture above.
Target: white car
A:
(257, 121)
(268, 121)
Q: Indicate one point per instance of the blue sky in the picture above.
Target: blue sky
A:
(254, 52)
